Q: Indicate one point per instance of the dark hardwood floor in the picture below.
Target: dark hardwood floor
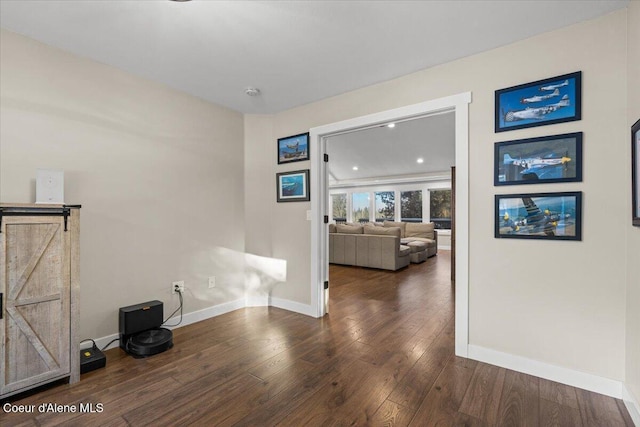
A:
(384, 356)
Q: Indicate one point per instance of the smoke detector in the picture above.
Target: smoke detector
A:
(252, 91)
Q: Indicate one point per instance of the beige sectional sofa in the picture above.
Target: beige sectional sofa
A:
(388, 245)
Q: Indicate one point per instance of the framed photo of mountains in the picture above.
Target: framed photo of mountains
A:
(542, 160)
(543, 102)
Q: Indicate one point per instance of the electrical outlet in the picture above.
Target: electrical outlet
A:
(177, 286)
(212, 282)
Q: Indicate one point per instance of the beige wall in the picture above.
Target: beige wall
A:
(562, 303)
(633, 233)
(156, 171)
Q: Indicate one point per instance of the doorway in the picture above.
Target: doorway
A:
(458, 104)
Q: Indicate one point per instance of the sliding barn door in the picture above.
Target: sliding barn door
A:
(35, 274)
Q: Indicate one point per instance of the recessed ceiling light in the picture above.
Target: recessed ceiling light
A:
(251, 91)
(420, 160)
(391, 125)
(355, 168)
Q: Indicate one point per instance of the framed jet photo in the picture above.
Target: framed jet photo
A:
(547, 159)
(635, 172)
(543, 102)
(546, 216)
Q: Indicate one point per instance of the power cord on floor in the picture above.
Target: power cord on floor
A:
(176, 310)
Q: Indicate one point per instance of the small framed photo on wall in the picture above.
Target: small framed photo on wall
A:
(293, 186)
(293, 148)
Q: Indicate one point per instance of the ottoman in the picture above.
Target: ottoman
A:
(418, 251)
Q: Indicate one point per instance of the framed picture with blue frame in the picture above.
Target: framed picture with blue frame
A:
(547, 159)
(545, 216)
(293, 186)
(543, 102)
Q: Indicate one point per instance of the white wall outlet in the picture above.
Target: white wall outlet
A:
(212, 282)
(177, 286)
(308, 215)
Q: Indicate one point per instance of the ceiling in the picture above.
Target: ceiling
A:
(295, 52)
(384, 154)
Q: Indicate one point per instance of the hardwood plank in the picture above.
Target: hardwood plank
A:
(519, 404)
(553, 414)
(599, 410)
(559, 393)
(482, 399)
(390, 414)
(415, 385)
(383, 356)
(440, 406)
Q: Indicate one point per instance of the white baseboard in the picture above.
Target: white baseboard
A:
(217, 310)
(187, 319)
(296, 307)
(547, 371)
(633, 406)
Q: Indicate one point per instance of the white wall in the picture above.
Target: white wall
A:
(560, 303)
(633, 233)
(159, 175)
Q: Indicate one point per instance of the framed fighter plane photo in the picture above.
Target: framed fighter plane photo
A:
(543, 102)
(547, 216)
(547, 159)
(635, 172)
(293, 148)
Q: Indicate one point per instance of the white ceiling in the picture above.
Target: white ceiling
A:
(390, 154)
(296, 52)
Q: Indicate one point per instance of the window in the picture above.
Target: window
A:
(440, 208)
(385, 205)
(411, 206)
(360, 207)
(339, 207)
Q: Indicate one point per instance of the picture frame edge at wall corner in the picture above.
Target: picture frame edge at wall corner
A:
(635, 174)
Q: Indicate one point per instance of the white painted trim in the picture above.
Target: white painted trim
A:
(548, 371)
(633, 406)
(319, 188)
(462, 227)
(444, 248)
(291, 306)
(187, 319)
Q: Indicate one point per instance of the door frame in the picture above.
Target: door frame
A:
(459, 104)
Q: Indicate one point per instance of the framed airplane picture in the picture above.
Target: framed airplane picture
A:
(293, 186)
(547, 216)
(293, 148)
(543, 102)
(635, 171)
(547, 159)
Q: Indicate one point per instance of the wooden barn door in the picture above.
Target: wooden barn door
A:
(35, 279)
